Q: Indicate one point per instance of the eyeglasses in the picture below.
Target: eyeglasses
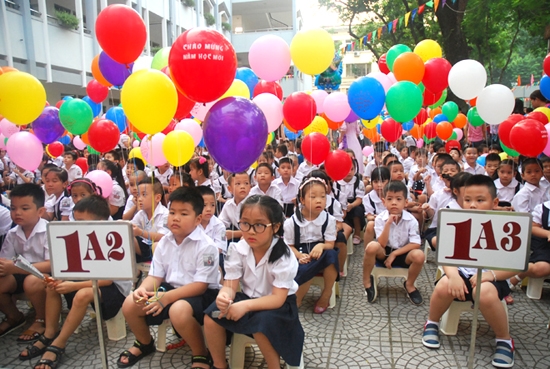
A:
(258, 228)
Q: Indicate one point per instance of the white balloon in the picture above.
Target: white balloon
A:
(467, 79)
(143, 62)
(495, 103)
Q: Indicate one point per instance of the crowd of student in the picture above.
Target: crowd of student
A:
(237, 252)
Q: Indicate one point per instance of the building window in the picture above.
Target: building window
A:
(358, 70)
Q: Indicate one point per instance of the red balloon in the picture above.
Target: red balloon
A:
(338, 164)
(121, 33)
(273, 88)
(83, 164)
(315, 148)
(546, 65)
(56, 149)
(203, 64)
(383, 65)
(529, 137)
(421, 117)
(391, 130)
(96, 91)
(170, 127)
(452, 145)
(430, 130)
(184, 104)
(537, 115)
(103, 135)
(299, 110)
(436, 73)
(59, 103)
(431, 98)
(505, 127)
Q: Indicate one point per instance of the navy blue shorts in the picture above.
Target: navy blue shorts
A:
(111, 300)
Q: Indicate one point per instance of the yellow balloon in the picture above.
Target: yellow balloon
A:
(22, 97)
(150, 100)
(503, 156)
(136, 153)
(319, 124)
(178, 147)
(254, 165)
(312, 51)
(369, 124)
(428, 49)
(237, 88)
(544, 110)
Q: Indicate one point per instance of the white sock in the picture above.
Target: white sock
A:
(509, 342)
(432, 322)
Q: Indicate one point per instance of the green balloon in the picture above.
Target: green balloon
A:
(404, 101)
(394, 52)
(450, 109)
(511, 152)
(453, 136)
(160, 60)
(440, 101)
(473, 117)
(91, 150)
(421, 87)
(76, 116)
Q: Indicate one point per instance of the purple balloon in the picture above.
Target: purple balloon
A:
(235, 133)
(47, 127)
(352, 117)
(113, 72)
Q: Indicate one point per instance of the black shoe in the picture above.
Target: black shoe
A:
(371, 292)
(414, 296)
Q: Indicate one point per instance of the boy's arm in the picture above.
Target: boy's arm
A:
(408, 247)
(189, 290)
(538, 231)
(385, 234)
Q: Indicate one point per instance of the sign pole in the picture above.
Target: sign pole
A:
(99, 321)
(474, 321)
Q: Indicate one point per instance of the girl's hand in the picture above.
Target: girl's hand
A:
(236, 311)
(428, 178)
(457, 288)
(317, 251)
(304, 258)
(63, 287)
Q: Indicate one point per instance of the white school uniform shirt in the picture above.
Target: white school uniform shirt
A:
(478, 169)
(337, 212)
(414, 170)
(5, 220)
(117, 198)
(74, 172)
(439, 200)
(304, 170)
(194, 260)
(347, 188)
(273, 191)
(289, 191)
(258, 279)
(401, 234)
(407, 164)
(506, 193)
(207, 183)
(453, 205)
(216, 231)
(158, 223)
(537, 214)
(164, 177)
(370, 167)
(310, 230)
(130, 203)
(275, 167)
(35, 248)
(231, 213)
(18, 180)
(224, 190)
(437, 183)
(378, 204)
(62, 203)
(544, 184)
(527, 198)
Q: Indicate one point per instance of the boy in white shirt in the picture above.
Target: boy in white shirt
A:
(265, 186)
(131, 207)
(472, 166)
(530, 194)
(375, 162)
(373, 203)
(288, 186)
(185, 269)
(163, 173)
(239, 186)
(19, 176)
(304, 170)
(398, 243)
(211, 225)
(74, 171)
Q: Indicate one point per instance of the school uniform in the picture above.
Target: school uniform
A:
(438, 200)
(157, 224)
(502, 287)
(273, 191)
(506, 194)
(130, 203)
(437, 183)
(304, 235)
(408, 163)
(289, 192)
(216, 231)
(453, 205)
(400, 235)
(372, 165)
(18, 180)
(163, 177)
(477, 169)
(74, 172)
(373, 204)
(544, 184)
(61, 206)
(117, 198)
(230, 216)
(223, 192)
(251, 175)
(304, 170)
(353, 189)
(334, 208)
(540, 247)
(527, 198)
(207, 183)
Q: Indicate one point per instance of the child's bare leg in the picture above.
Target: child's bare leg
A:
(356, 227)
(329, 277)
(369, 232)
(441, 300)
(434, 242)
(215, 337)
(493, 311)
(136, 247)
(342, 254)
(416, 260)
(347, 230)
(270, 355)
(181, 316)
(7, 306)
(372, 251)
(35, 290)
(135, 317)
(302, 290)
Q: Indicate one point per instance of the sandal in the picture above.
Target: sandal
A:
(33, 351)
(34, 334)
(133, 359)
(58, 351)
(13, 327)
(201, 359)
(173, 346)
(509, 299)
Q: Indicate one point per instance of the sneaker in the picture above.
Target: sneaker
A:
(356, 240)
(430, 337)
(504, 355)
(371, 292)
(414, 296)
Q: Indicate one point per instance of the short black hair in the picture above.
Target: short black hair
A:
(537, 95)
(136, 162)
(72, 154)
(529, 161)
(509, 162)
(380, 174)
(459, 181)
(379, 147)
(61, 174)
(482, 180)
(95, 205)
(32, 190)
(451, 162)
(190, 196)
(116, 154)
(545, 159)
(285, 160)
(422, 152)
(437, 146)
(185, 178)
(396, 186)
(394, 163)
(233, 175)
(205, 191)
(265, 165)
(388, 157)
(283, 149)
(492, 157)
(158, 188)
(47, 166)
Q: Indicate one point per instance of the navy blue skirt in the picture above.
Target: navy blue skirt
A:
(281, 327)
(307, 271)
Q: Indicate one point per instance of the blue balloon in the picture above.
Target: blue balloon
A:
(366, 97)
(545, 87)
(65, 140)
(379, 128)
(440, 118)
(291, 135)
(407, 126)
(116, 115)
(481, 160)
(67, 98)
(201, 144)
(96, 108)
(248, 77)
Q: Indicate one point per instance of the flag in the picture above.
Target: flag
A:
(379, 32)
(519, 80)
(369, 37)
(532, 80)
(421, 9)
(389, 26)
(394, 25)
(407, 18)
(436, 4)
(413, 14)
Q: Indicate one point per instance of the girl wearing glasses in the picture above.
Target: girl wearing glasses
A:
(266, 308)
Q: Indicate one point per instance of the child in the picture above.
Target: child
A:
(530, 195)
(28, 239)
(117, 198)
(184, 265)
(78, 295)
(149, 223)
(287, 185)
(266, 307)
(408, 155)
(74, 171)
(457, 190)
(460, 283)
(456, 154)
(435, 182)
(305, 169)
(492, 162)
(311, 233)
(163, 173)
(373, 200)
(471, 165)
(211, 225)
(354, 188)
(281, 152)
(239, 186)
(506, 183)
(375, 162)
(131, 204)
(398, 243)
(265, 185)
(199, 172)
(224, 194)
(179, 179)
(58, 205)
(19, 176)
(295, 165)
(133, 165)
(79, 189)
(545, 180)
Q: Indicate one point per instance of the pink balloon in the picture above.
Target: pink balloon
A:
(8, 128)
(367, 150)
(272, 108)
(192, 127)
(25, 150)
(200, 110)
(135, 143)
(103, 180)
(336, 106)
(78, 143)
(269, 57)
(2, 141)
(392, 78)
(384, 80)
(151, 149)
(419, 143)
(459, 134)
(319, 96)
(546, 150)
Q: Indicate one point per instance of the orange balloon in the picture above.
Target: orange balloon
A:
(444, 130)
(97, 73)
(331, 124)
(472, 102)
(434, 112)
(7, 69)
(460, 121)
(417, 131)
(84, 138)
(408, 67)
(372, 134)
(289, 127)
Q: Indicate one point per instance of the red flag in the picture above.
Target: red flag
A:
(421, 9)
(519, 80)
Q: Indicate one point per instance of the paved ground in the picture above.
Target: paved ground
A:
(355, 334)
